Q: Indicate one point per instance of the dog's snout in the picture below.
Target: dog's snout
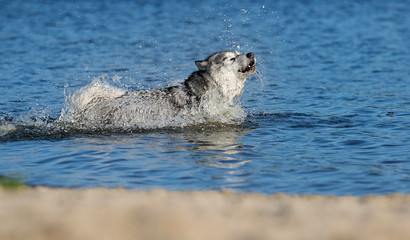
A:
(249, 55)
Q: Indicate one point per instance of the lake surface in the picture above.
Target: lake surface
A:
(327, 113)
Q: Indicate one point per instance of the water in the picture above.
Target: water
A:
(327, 113)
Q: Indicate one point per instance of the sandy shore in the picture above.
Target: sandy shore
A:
(44, 213)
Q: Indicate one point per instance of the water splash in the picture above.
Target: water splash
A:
(88, 96)
(35, 122)
(6, 127)
(86, 107)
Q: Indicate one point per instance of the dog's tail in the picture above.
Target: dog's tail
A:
(86, 97)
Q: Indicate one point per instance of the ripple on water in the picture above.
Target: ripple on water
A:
(328, 113)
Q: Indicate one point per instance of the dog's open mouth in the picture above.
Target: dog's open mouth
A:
(250, 67)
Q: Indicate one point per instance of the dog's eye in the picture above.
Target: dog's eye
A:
(232, 59)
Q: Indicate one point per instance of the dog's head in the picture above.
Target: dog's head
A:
(229, 63)
(227, 71)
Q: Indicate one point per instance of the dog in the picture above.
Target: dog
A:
(207, 93)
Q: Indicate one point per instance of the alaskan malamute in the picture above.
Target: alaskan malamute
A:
(219, 80)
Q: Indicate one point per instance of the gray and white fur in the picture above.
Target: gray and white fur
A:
(219, 80)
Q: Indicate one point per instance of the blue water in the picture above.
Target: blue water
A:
(327, 113)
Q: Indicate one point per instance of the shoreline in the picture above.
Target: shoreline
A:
(100, 213)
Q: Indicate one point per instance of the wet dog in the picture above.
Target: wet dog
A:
(219, 80)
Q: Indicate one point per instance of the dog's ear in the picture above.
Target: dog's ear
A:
(201, 65)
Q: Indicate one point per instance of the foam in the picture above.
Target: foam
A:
(6, 127)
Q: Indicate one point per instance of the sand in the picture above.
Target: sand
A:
(46, 213)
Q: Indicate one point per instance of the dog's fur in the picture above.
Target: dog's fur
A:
(223, 74)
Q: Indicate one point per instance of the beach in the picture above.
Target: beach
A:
(100, 213)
